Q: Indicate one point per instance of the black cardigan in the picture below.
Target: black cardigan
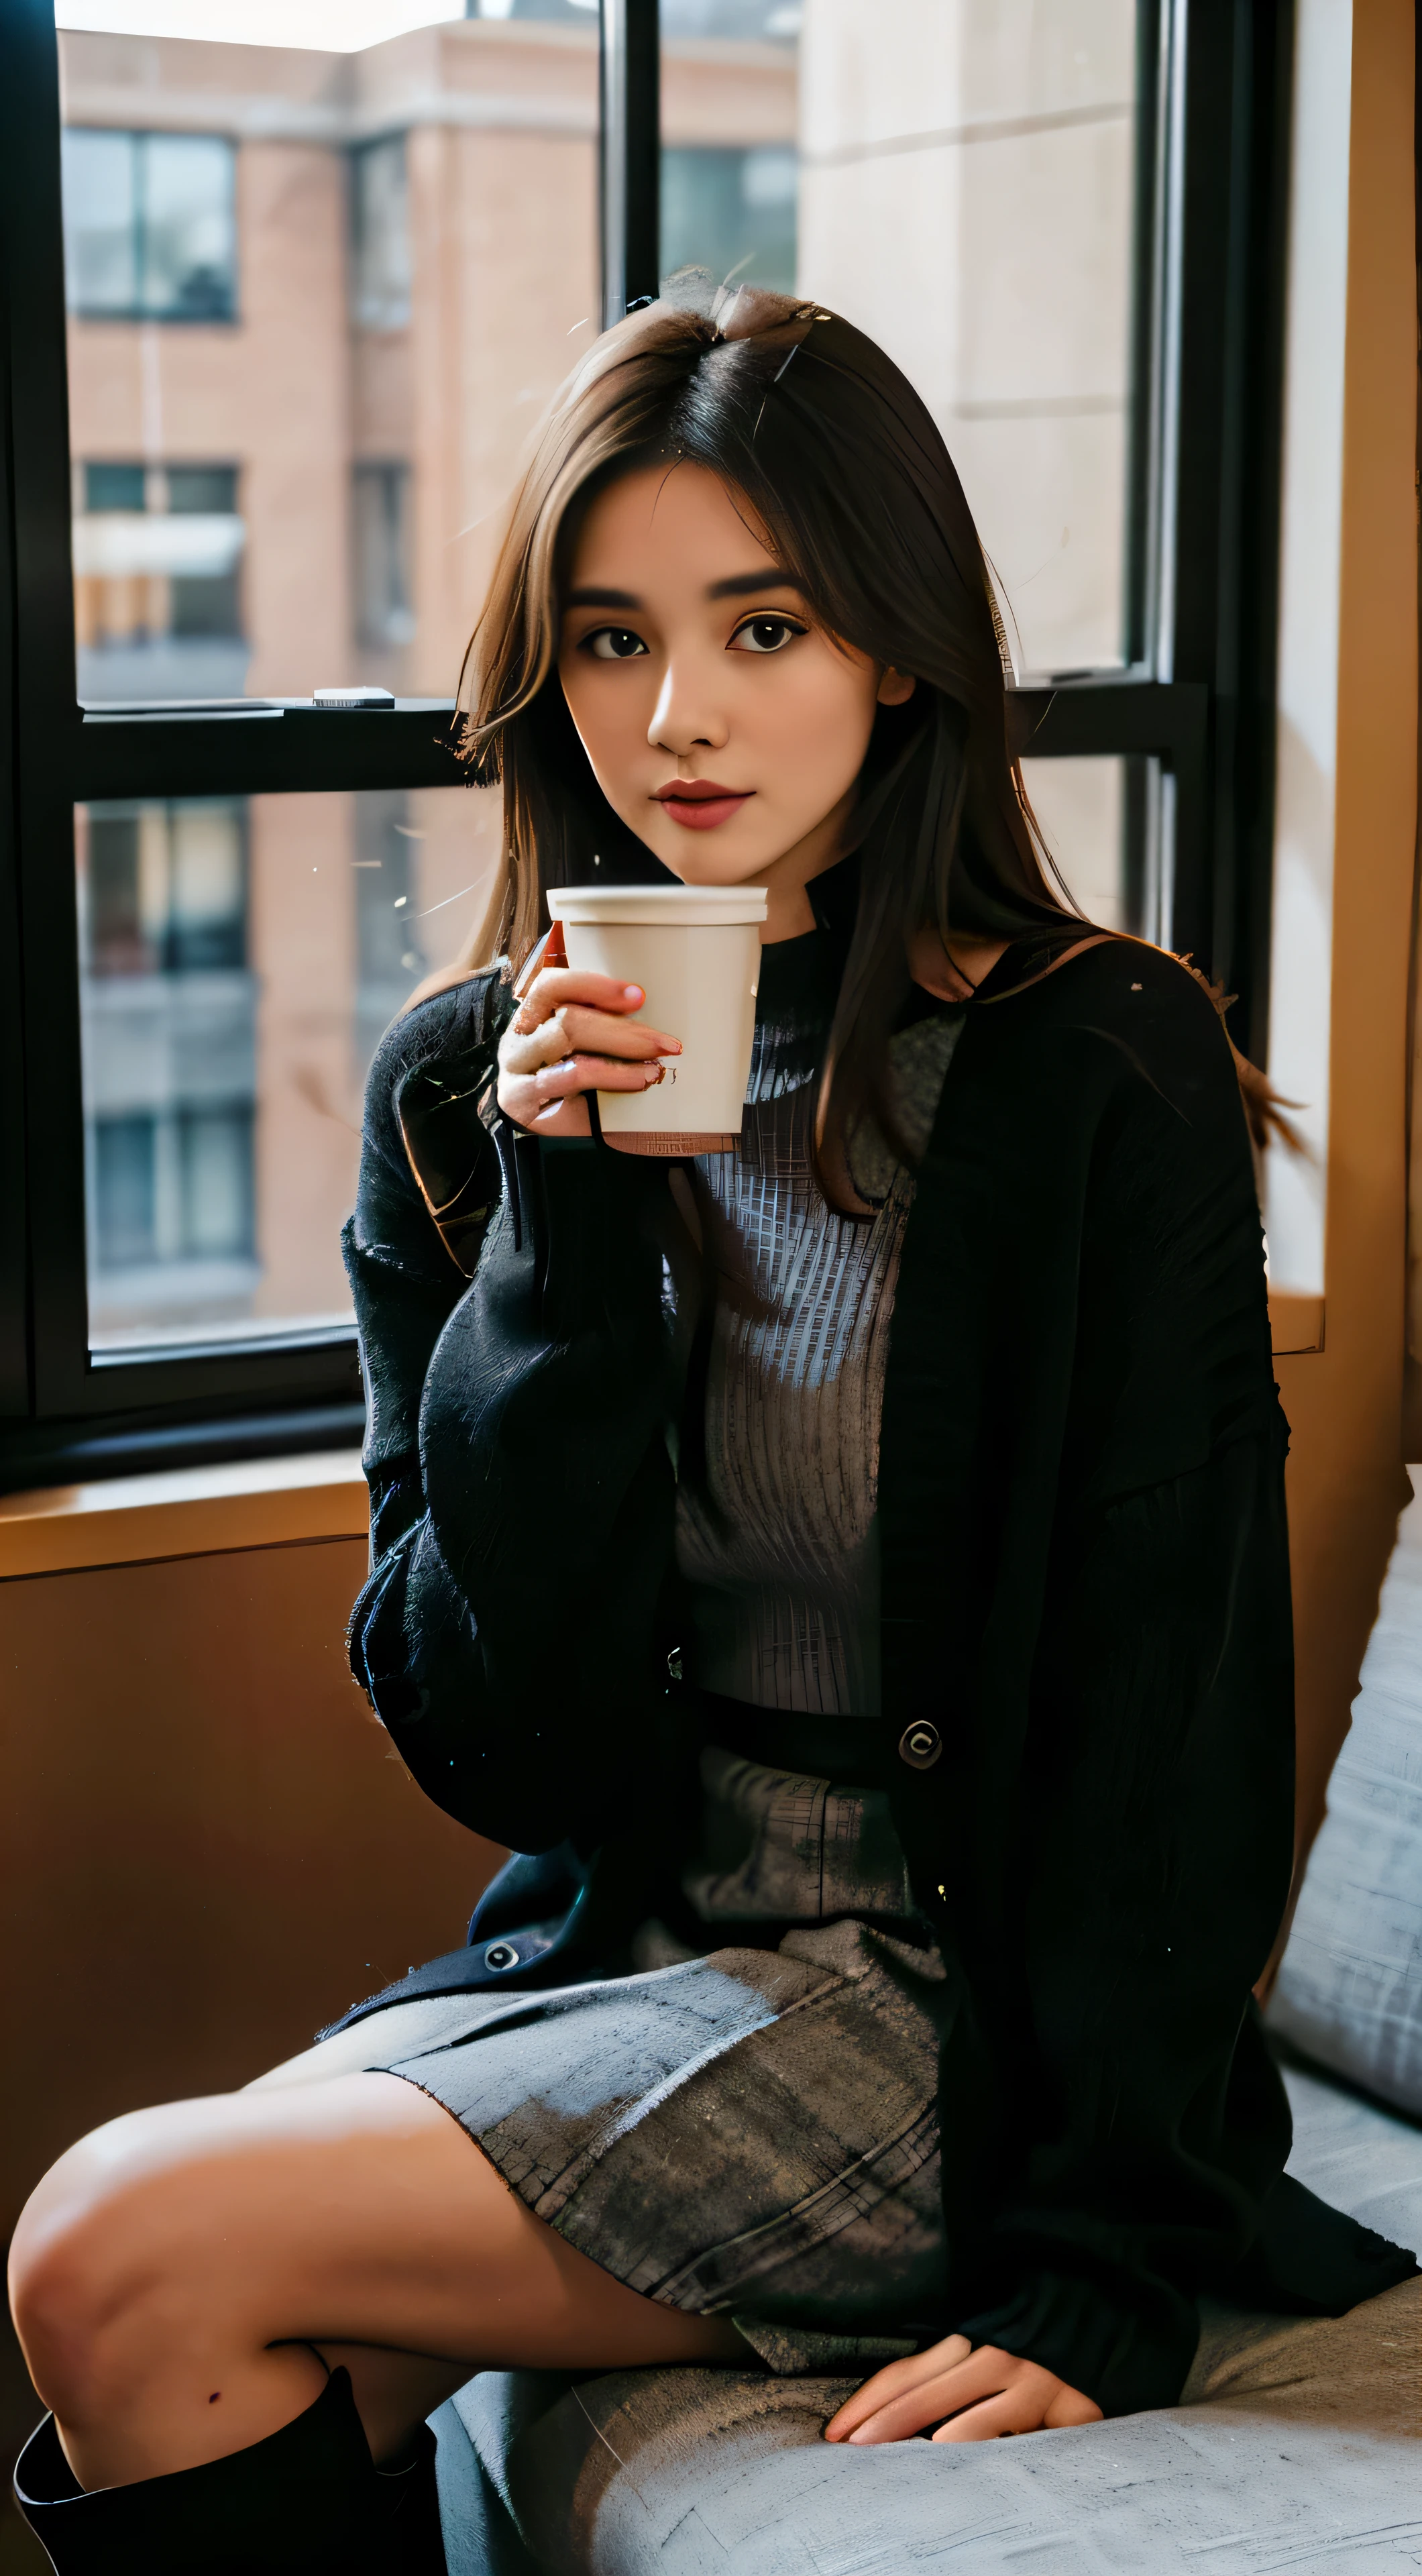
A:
(1085, 1604)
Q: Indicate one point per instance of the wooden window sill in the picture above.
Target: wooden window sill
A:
(189, 1511)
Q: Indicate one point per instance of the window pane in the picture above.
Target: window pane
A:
(188, 233)
(100, 222)
(1080, 807)
(1108, 824)
(319, 289)
(382, 555)
(240, 959)
(965, 194)
(730, 211)
(123, 1190)
(380, 236)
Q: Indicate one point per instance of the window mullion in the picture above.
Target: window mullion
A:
(630, 153)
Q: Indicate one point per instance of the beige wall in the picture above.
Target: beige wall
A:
(209, 1845)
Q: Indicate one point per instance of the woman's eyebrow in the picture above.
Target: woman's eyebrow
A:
(744, 585)
(737, 585)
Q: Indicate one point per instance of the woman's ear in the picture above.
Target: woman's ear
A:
(896, 688)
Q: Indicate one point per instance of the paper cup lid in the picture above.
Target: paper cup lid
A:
(673, 907)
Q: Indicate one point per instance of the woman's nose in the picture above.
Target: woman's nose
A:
(686, 717)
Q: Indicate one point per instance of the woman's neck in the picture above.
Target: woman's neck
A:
(788, 911)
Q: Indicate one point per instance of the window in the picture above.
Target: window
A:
(173, 1195)
(380, 236)
(169, 1039)
(166, 888)
(382, 566)
(240, 958)
(732, 212)
(1067, 224)
(383, 290)
(150, 228)
(157, 582)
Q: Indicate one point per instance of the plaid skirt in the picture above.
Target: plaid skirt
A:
(749, 2131)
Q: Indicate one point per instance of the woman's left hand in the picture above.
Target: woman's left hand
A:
(985, 2392)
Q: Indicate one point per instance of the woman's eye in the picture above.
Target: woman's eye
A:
(613, 644)
(766, 634)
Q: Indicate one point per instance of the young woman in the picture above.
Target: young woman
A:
(856, 1566)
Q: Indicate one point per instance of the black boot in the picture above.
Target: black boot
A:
(307, 2501)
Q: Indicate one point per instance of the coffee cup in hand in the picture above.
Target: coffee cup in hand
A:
(695, 951)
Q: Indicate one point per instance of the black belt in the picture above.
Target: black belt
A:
(847, 1751)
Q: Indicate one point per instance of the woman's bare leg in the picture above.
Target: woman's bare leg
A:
(172, 2273)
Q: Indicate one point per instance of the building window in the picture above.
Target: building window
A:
(214, 1176)
(157, 569)
(169, 1051)
(730, 211)
(150, 229)
(173, 1186)
(382, 561)
(124, 1190)
(204, 599)
(164, 890)
(380, 236)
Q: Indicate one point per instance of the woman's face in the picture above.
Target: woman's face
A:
(722, 724)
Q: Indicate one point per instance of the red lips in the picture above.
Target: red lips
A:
(700, 803)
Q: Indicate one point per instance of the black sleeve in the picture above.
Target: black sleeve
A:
(1153, 1868)
(521, 1483)
(1127, 1885)
(1127, 1875)
(404, 1283)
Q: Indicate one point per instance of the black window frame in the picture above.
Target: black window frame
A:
(1197, 694)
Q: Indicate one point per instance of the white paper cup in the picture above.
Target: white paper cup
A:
(695, 951)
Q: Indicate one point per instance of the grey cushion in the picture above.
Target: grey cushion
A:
(1350, 1992)
(1293, 2447)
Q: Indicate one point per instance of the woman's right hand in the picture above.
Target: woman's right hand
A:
(571, 1034)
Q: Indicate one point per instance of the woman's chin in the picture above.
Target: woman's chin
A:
(708, 859)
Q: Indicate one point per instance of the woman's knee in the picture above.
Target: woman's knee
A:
(102, 2259)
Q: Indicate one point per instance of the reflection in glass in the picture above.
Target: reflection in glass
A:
(240, 959)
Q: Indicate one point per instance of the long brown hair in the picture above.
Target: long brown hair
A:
(832, 453)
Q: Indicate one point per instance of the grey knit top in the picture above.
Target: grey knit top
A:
(775, 1522)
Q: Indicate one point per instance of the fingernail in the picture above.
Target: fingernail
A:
(655, 1073)
(633, 993)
